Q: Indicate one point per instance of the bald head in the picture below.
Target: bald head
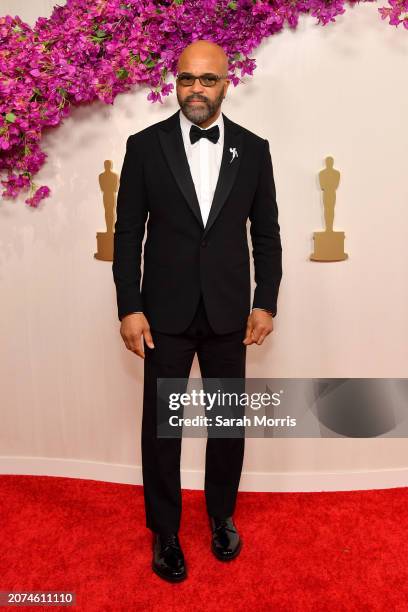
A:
(205, 55)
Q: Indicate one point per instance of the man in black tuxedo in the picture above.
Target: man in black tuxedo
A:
(197, 177)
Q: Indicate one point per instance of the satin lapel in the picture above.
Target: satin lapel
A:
(171, 140)
(173, 147)
(233, 139)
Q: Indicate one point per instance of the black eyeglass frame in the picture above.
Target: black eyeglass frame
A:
(217, 78)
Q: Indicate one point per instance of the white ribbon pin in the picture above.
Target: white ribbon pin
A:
(234, 153)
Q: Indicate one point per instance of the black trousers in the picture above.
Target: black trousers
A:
(219, 355)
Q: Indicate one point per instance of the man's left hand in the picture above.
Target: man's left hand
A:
(259, 325)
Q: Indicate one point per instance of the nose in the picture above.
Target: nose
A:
(197, 88)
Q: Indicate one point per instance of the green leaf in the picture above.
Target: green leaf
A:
(134, 57)
(149, 62)
(10, 117)
(232, 5)
(99, 35)
(36, 93)
(122, 73)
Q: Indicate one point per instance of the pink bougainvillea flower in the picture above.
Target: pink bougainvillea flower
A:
(95, 49)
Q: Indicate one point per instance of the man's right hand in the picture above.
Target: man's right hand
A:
(133, 327)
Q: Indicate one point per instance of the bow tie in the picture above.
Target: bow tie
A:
(196, 133)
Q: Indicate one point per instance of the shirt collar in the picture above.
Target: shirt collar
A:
(186, 124)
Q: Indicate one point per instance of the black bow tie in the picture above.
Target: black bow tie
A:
(212, 134)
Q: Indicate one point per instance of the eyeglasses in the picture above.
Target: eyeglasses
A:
(207, 80)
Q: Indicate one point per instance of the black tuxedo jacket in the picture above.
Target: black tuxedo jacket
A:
(182, 258)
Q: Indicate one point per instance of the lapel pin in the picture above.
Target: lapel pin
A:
(234, 153)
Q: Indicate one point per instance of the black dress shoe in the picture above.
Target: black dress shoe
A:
(168, 559)
(226, 543)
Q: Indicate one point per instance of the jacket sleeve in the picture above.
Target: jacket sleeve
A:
(265, 234)
(131, 215)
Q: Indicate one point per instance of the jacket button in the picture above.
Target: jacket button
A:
(204, 243)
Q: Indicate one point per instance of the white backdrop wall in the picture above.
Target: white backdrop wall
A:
(71, 394)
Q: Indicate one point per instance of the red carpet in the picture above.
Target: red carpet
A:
(345, 551)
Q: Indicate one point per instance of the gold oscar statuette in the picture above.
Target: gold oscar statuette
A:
(329, 245)
(109, 184)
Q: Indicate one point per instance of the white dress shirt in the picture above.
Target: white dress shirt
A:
(204, 158)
